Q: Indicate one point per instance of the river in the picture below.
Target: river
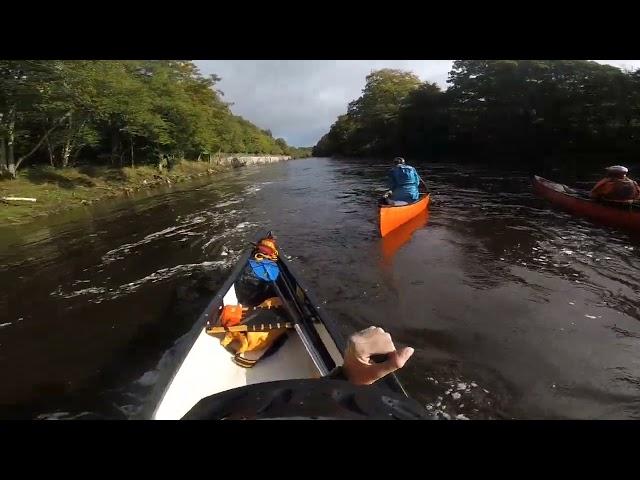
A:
(515, 310)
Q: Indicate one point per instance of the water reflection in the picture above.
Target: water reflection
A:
(394, 240)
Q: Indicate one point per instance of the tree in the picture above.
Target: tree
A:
(57, 111)
(524, 111)
(282, 145)
(373, 116)
(24, 87)
(423, 122)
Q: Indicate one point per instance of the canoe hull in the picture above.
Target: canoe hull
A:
(596, 212)
(394, 240)
(198, 366)
(391, 217)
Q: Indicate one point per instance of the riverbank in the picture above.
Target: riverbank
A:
(56, 190)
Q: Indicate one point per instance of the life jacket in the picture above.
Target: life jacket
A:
(266, 248)
(248, 347)
(622, 190)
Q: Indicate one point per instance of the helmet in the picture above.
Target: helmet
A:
(398, 160)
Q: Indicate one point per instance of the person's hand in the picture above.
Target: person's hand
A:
(358, 366)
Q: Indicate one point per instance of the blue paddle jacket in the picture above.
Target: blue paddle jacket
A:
(404, 182)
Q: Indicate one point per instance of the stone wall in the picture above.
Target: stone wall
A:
(241, 161)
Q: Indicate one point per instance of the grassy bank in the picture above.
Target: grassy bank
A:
(61, 189)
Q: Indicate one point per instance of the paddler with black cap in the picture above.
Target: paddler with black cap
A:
(404, 182)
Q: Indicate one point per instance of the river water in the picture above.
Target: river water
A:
(515, 310)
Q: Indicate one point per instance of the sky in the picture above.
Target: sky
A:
(298, 100)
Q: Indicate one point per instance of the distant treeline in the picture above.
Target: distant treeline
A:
(119, 113)
(525, 112)
(300, 152)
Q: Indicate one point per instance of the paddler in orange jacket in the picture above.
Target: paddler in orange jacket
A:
(616, 187)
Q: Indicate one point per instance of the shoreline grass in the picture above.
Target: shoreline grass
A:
(58, 190)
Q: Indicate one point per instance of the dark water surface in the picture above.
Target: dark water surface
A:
(515, 310)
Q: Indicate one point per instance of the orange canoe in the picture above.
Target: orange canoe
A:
(392, 217)
(562, 197)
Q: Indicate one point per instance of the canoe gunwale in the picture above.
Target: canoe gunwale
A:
(329, 322)
(421, 198)
(183, 345)
(391, 380)
(304, 327)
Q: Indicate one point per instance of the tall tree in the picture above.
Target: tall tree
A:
(127, 111)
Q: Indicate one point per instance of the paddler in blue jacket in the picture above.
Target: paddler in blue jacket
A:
(403, 184)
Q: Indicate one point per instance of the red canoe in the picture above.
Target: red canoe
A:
(624, 218)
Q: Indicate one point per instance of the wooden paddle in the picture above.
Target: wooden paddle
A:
(262, 327)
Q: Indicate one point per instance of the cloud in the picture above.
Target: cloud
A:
(300, 99)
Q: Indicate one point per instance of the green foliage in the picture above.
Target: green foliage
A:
(370, 125)
(522, 110)
(300, 152)
(121, 112)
